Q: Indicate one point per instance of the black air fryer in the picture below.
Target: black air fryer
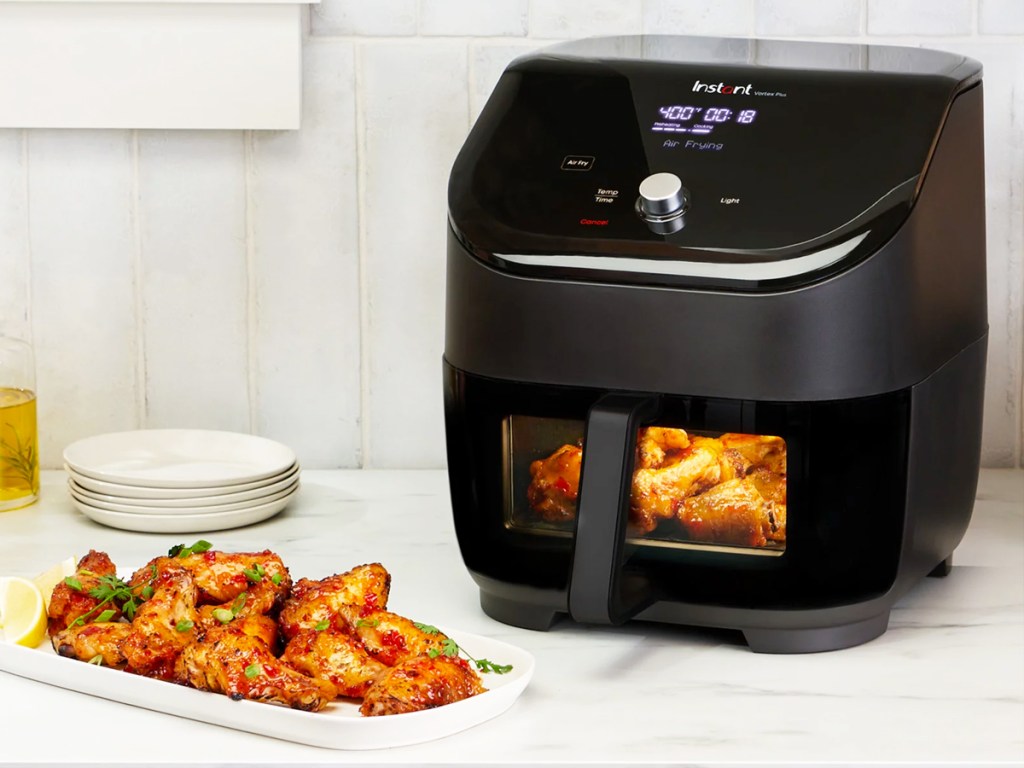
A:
(716, 333)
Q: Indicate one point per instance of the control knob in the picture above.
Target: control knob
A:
(663, 201)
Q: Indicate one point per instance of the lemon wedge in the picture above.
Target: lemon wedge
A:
(53, 576)
(22, 612)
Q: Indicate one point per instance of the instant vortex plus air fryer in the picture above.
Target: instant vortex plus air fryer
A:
(716, 333)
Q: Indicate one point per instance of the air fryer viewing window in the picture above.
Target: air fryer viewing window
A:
(689, 488)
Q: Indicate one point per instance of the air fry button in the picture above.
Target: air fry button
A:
(577, 162)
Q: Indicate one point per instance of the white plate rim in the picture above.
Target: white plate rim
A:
(200, 498)
(146, 492)
(217, 521)
(191, 509)
(176, 458)
(338, 727)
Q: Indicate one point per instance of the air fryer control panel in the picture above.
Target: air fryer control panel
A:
(665, 160)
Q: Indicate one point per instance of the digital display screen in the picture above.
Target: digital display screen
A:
(687, 118)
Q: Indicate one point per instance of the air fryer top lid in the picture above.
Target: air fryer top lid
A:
(713, 162)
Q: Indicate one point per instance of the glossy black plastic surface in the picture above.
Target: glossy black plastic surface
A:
(827, 157)
(881, 326)
(846, 488)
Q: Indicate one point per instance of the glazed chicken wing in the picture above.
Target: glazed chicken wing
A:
(732, 512)
(555, 484)
(336, 657)
(673, 467)
(656, 445)
(256, 625)
(222, 576)
(769, 484)
(759, 450)
(670, 465)
(163, 625)
(69, 603)
(777, 532)
(313, 602)
(658, 491)
(388, 637)
(229, 661)
(421, 682)
(86, 642)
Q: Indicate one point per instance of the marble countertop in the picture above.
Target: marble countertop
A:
(945, 684)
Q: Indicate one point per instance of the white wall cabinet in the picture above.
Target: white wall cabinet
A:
(230, 64)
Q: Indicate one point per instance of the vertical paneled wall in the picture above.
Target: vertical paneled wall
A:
(291, 283)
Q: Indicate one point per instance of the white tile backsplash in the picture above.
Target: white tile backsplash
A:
(304, 270)
(919, 17)
(584, 18)
(495, 18)
(1001, 17)
(415, 110)
(82, 233)
(363, 17)
(724, 17)
(192, 279)
(14, 256)
(292, 283)
(793, 18)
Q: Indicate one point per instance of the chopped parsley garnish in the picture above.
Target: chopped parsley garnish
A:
(111, 590)
(450, 648)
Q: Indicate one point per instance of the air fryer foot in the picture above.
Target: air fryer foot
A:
(818, 639)
(517, 614)
(942, 570)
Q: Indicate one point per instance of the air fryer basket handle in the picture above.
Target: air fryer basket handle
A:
(600, 591)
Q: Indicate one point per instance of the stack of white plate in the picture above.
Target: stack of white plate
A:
(180, 480)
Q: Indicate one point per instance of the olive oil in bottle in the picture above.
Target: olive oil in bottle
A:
(19, 462)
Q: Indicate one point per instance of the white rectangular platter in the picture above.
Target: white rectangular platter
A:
(340, 726)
